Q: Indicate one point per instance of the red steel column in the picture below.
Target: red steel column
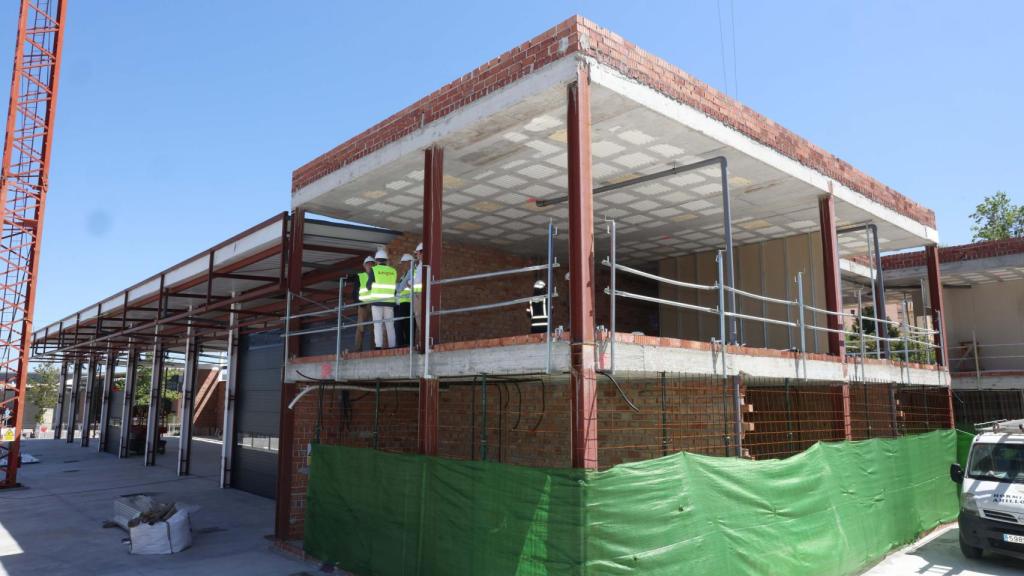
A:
(833, 288)
(433, 197)
(931, 254)
(583, 378)
(286, 426)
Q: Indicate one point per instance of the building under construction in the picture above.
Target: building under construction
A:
(712, 280)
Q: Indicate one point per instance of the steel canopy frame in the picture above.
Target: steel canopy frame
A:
(23, 186)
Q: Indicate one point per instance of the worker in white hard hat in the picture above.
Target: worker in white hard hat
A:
(403, 301)
(417, 287)
(382, 281)
(539, 308)
(363, 311)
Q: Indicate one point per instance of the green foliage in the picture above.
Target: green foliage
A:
(43, 388)
(143, 380)
(996, 218)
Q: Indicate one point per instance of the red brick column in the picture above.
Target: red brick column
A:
(583, 378)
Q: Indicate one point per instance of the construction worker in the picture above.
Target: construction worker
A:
(403, 299)
(382, 283)
(539, 309)
(363, 311)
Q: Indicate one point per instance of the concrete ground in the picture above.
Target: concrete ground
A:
(938, 554)
(54, 526)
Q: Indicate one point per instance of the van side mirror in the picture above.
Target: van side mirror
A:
(956, 473)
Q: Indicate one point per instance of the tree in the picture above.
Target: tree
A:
(43, 387)
(996, 218)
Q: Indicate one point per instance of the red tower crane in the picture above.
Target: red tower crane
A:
(23, 185)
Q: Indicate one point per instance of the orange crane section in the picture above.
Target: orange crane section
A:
(23, 185)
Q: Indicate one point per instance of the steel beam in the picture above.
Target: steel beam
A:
(108, 383)
(433, 200)
(90, 383)
(129, 402)
(228, 444)
(188, 402)
(583, 376)
(833, 286)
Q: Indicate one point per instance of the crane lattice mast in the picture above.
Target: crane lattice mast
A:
(23, 185)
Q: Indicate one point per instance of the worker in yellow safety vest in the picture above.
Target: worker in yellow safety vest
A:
(363, 311)
(403, 300)
(382, 281)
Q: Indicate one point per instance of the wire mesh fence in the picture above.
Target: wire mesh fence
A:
(977, 406)
(527, 421)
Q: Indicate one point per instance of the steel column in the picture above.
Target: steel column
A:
(833, 286)
(188, 403)
(58, 410)
(153, 416)
(76, 382)
(108, 383)
(433, 200)
(881, 328)
(90, 383)
(583, 376)
(228, 444)
(129, 402)
(935, 297)
(293, 348)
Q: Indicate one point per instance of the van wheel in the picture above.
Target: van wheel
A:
(969, 551)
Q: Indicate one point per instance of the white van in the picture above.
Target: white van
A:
(992, 491)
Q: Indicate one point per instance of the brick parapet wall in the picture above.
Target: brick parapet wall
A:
(947, 254)
(579, 35)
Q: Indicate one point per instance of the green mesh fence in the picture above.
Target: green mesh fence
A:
(829, 510)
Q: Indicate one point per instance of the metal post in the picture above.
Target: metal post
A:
(548, 303)
(721, 313)
(58, 410)
(730, 272)
(483, 418)
(800, 321)
(376, 417)
(860, 329)
(76, 383)
(879, 293)
(977, 360)
(427, 312)
(108, 382)
(153, 417)
(230, 387)
(90, 383)
(129, 402)
(874, 297)
(337, 335)
(188, 402)
(905, 328)
(287, 328)
(611, 320)
(737, 415)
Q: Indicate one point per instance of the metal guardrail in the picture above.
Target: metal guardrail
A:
(342, 322)
(909, 335)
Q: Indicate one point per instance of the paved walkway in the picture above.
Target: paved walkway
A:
(54, 525)
(938, 554)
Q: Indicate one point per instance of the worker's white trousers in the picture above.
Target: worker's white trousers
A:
(383, 319)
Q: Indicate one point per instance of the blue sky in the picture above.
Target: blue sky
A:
(179, 123)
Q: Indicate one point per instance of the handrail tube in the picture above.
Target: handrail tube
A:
(485, 275)
(478, 307)
(683, 305)
(759, 319)
(660, 278)
(803, 326)
(759, 297)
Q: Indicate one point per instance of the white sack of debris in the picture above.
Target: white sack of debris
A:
(163, 536)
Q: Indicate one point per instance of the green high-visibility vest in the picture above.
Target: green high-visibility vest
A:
(364, 292)
(385, 280)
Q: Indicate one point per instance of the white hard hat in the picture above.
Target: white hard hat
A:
(419, 247)
(368, 259)
(539, 284)
(381, 254)
(407, 258)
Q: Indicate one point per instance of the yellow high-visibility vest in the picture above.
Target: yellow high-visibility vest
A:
(385, 280)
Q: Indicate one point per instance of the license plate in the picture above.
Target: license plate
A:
(1013, 538)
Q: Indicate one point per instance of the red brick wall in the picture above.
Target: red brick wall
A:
(578, 34)
(975, 251)
(209, 414)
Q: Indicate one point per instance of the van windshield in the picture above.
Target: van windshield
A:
(998, 462)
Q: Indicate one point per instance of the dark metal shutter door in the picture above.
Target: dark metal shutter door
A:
(257, 413)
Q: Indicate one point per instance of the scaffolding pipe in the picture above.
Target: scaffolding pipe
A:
(802, 327)
(549, 303)
(611, 319)
(337, 338)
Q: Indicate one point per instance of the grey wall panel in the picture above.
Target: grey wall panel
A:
(257, 413)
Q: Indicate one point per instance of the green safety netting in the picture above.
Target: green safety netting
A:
(963, 446)
(832, 509)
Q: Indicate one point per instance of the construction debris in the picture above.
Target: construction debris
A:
(154, 527)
